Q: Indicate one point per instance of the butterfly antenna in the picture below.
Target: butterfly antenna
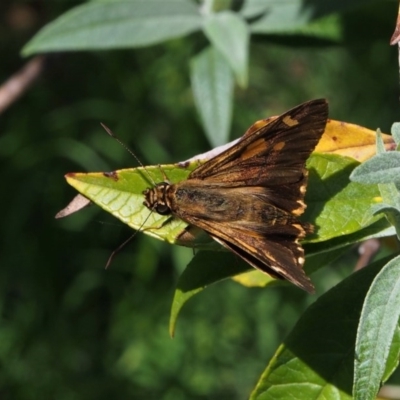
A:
(123, 244)
(117, 250)
(163, 173)
(114, 136)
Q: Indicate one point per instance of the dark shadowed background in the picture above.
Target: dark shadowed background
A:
(70, 329)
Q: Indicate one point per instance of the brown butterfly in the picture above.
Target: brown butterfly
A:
(249, 197)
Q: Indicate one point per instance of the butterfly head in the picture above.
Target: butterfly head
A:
(156, 198)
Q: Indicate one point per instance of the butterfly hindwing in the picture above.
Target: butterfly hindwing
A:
(245, 222)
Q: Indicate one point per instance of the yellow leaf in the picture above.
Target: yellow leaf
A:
(342, 138)
(351, 140)
(254, 279)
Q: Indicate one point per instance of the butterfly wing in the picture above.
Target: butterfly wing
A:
(279, 255)
(244, 221)
(268, 166)
(272, 154)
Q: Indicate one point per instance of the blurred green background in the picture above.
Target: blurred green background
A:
(72, 330)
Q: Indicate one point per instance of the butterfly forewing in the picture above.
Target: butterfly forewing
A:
(248, 198)
(280, 149)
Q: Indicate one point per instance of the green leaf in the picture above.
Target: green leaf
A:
(116, 24)
(395, 131)
(382, 168)
(378, 323)
(377, 169)
(120, 193)
(316, 360)
(394, 356)
(391, 212)
(389, 192)
(291, 15)
(229, 33)
(280, 16)
(212, 84)
(334, 204)
(378, 229)
(328, 29)
(204, 269)
(380, 145)
(255, 8)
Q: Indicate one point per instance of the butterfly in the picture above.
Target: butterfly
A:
(249, 197)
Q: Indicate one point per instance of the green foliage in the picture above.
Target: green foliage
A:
(116, 24)
(383, 168)
(396, 132)
(337, 206)
(212, 85)
(317, 358)
(377, 327)
(204, 269)
(377, 334)
(121, 194)
(112, 24)
(230, 35)
(330, 197)
(68, 328)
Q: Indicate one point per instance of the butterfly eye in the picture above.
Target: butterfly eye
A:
(162, 209)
